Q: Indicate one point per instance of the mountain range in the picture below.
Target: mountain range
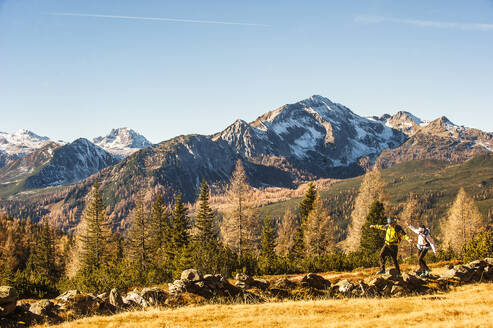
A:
(311, 139)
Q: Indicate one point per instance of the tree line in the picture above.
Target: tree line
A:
(164, 239)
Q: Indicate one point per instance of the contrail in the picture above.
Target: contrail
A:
(160, 19)
(425, 23)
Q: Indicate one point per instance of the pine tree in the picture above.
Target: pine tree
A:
(96, 237)
(43, 254)
(371, 188)
(304, 208)
(160, 230)
(267, 259)
(319, 230)
(138, 240)
(371, 239)
(204, 221)
(285, 233)
(180, 225)
(463, 223)
(240, 226)
(306, 204)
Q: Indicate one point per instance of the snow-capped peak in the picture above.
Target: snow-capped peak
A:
(21, 142)
(122, 142)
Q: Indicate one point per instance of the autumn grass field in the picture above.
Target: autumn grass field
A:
(466, 306)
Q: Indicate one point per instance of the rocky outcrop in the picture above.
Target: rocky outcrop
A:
(8, 300)
(195, 288)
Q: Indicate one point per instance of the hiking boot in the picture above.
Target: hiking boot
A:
(381, 272)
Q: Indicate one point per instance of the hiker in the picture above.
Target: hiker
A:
(424, 243)
(393, 235)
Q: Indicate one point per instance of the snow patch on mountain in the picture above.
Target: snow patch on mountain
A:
(21, 142)
(122, 142)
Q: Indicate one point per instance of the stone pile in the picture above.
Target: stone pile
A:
(193, 286)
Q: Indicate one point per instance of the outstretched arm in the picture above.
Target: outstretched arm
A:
(413, 229)
(378, 226)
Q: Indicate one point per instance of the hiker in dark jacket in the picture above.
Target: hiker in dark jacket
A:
(425, 242)
(393, 236)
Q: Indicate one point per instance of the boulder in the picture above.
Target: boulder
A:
(284, 283)
(191, 275)
(315, 281)
(69, 294)
(177, 287)
(43, 307)
(243, 278)
(8, 300)
(154, 296)
(134, 299)
(85, 304)
(489, 260)
(344, 286)
(115, 299)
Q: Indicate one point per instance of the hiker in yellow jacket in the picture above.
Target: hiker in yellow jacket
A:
(393, 236)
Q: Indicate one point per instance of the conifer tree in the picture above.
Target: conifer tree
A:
(285, 233)
(463, 223)
(306, 204)
(304, 208)
(96, 237)
(43, 254)
(138, 239)
(267, 260)
(371, 188)
(204, 221)
(372, 239)
(240, 227)
(160, 230)
(319, 230)
(180, 225)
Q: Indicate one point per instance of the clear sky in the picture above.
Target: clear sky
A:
(177, 67)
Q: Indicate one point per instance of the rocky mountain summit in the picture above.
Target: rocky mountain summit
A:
(18, 144)
(441, 140)
(122, 142)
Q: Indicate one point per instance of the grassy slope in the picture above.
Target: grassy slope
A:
(467, 306)
(426, 176)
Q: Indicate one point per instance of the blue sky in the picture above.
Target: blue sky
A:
(68, 76)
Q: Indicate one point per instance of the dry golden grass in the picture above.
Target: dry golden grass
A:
(467, 306)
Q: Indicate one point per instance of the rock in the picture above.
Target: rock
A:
(22, 306)
(104, 296)
(85, 304)
(177, 287)
(8, 300)
(154, 296)
(488, 272)
(393, 272)
(242, 285)
(315, 281)
(191, 275)
(284, 283)
(115, 299)
(397, 291)
(489, 260)
(412, 282)
(344, 286)
(134, 299)
(260, 284)
(479, 264)
(43, 307)
(243, 278)
(69, 294)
